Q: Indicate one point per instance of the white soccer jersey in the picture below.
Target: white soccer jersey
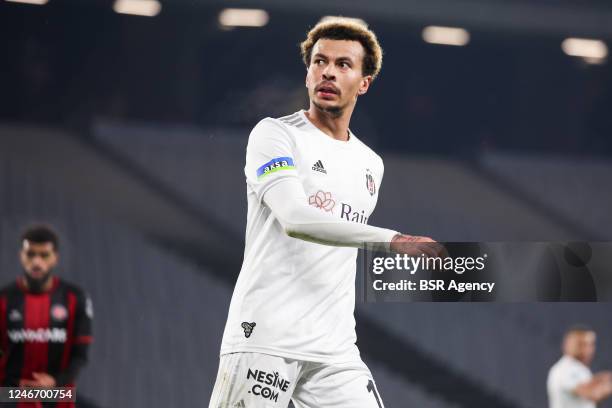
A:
(563, 378)
(295, 298)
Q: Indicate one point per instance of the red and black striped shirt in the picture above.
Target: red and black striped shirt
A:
(44, 332)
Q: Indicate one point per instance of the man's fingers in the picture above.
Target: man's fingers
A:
(441, 250)
(428, 249)
(433, 249)
(418, 248)
(414, 245)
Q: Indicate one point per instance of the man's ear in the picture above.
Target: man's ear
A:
(56, 259)
(365, 84)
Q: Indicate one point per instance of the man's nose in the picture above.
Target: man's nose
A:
(37, 261)
(328, 73)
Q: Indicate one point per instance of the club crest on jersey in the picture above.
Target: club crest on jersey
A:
(370, 183)
(274, 165)
(248, 328)
(59, 313)
(322, 200)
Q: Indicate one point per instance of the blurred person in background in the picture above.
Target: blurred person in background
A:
(571, 384)
(45, 322)
(290, 333)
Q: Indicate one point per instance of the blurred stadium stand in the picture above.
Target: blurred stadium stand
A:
(158, 317)
(197, 166)
(452, 200)
(511, 87)
(572, 189)
(507, 348)
(128, 134)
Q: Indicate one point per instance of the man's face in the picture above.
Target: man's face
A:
(581, 345)
(335, 75)
(38, 259)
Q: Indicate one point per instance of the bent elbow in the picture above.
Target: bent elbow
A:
(297, 230)
(288, 222)
(292, 230)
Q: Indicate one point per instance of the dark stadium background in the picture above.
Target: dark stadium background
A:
(127, 133)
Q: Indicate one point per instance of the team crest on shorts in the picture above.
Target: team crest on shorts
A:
(370, 183)
(248, 328)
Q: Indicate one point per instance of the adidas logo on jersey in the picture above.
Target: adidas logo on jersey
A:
(318, 166)
(15, 316)
(239, 404)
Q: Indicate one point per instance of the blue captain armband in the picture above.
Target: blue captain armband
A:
(274, 165)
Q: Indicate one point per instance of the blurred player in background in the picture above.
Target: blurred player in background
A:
(290, 333)
(570, 381)
(45, 322)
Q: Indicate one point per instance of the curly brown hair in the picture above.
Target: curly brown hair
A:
(339, 28)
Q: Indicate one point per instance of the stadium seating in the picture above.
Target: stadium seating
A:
(160, 315)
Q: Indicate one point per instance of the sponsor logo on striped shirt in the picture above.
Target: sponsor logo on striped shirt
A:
(54, 335)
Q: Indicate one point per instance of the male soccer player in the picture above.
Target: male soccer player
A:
(311, 187)
(570, 381)
(45, 322)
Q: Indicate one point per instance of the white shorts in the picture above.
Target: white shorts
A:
(255, 380)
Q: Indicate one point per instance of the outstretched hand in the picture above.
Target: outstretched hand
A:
(413, 245)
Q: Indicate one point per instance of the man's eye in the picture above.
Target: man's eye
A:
(33, 254)
(345, 65)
